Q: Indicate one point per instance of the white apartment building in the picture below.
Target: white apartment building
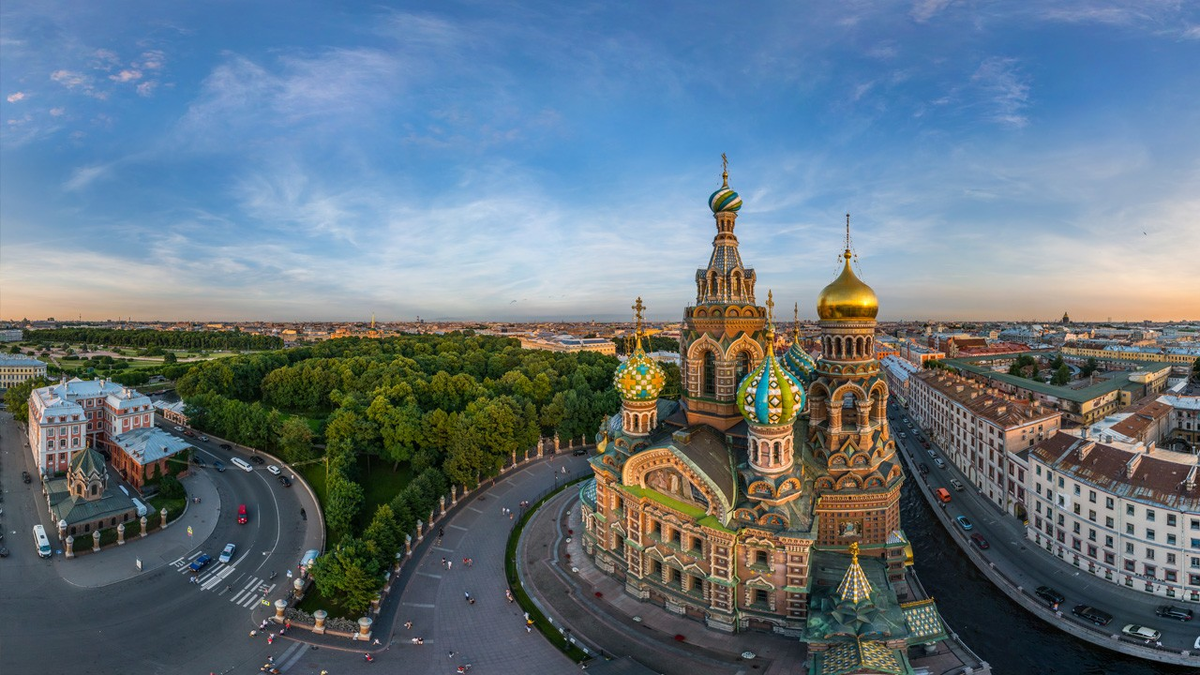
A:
(982, 432)
(17, 369)
(66, 417)
(1130, 516)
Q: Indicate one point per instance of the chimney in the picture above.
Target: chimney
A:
(1149, 447)
(1084, 449)
(1189, 483)
(1132, 465)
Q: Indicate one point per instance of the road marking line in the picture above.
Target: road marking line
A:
(459, 527)
(417, 604)
(250, 601)
(299, 654)
(440, 548)
(237, 599)
(427, 574)
(472, 508)
(217, 578)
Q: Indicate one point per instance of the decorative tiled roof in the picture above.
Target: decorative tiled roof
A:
(857, 657)
(924, 622)
(639, 378)
(854, 587)
(799, 362)
(88, 462)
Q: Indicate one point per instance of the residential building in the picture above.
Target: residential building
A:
(143, 454)
(171, 412)
(11, 335)
(1184, 433)
(17, 369)
(1130, 516)
(982, 432)
(569, 343)
(1131, 353)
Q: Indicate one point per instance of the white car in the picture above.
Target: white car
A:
(274, 470)
(227, 554)
(178, 428)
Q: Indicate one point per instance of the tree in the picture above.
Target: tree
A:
(385, 532)
(295, 440)
(1061, 376)
(1056, 362)
(169, 357)
(16, 397)
(1196, 370)
(673, 386)
(351, 573)
(1090, 367)
(343, 499)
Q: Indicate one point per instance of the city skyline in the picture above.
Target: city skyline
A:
(538, 162)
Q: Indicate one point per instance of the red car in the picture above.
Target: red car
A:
(980, 543)
(243, 518)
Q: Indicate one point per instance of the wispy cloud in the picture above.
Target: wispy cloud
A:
(85, 176)
(127, 75)
(1006, 90)
(924, 10)
(17, 96)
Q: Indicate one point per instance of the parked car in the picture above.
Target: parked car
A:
(199, 563)
(931, 453)
(190, 433)
(903, 435)
(580, 452)
(943, 495)
(204, 438)
(227, 554)
(25, 478)
(958, 487)
(964, 522)
(979, 541)
(923, 468)
(226, 446)
(178, 428)
(1089, 613)
(1050, 595)
(1141, 632)
(1173, 612)
(219, 466)
(273, 469)
(256, 459)
(940, 463)
(285, 481)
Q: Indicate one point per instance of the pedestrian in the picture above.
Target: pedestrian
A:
(529, 628)
(467, 562)
(508, 594)
(376, 642)
(441, 533)
(287, 624)
(451, 654)
(443, 562)
(408, 625)
(467, 596)
(510, 515)
(270, 638)
(449, 564)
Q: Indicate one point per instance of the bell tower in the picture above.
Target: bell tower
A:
(721, 339)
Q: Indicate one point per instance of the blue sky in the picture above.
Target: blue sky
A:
(311, 160)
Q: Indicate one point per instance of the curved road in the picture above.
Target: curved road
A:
(97, 614)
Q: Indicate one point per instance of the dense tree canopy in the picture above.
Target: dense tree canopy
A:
(159, 338)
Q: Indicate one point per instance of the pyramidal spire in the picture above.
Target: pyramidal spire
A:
(854, 587)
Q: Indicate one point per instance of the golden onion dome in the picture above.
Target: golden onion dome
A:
(847, 298)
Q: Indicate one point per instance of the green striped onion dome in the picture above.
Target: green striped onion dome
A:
(770, 395)
(724, 199)
(799, 363)
(639, 378)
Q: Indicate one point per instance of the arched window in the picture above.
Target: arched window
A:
(742, 366)
(848, 401)
(775, 454)
(710, 375)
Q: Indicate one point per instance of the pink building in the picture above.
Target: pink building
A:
(65, 418)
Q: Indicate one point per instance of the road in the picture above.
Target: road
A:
(1031, 566)
(97, 614)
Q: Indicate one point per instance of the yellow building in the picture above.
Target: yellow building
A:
(17, 369)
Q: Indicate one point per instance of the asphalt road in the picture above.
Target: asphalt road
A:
(58, 616)
(1031, 566)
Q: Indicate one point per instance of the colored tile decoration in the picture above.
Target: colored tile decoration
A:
(640, 378)
(853, 657)
(770, 395)
(724, 199)
(923, 620)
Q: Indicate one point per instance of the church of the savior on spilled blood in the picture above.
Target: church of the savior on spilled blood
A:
(767, 498)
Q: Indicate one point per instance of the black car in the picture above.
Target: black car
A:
(1050, 595)
(226, 446)
(219, 466)
(285, 481)
(923, 468)
(25, 477)
(580, 452)
(256, 459)
(1089, 613)
(1173, 612)
(3, 552)
(199, 461)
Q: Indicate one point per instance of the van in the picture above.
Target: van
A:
(1089, 613)
(943, 495)
(310, 556)
(142, 510)
(243, 517)
(43, 543)
(958, 487)
(242, 464)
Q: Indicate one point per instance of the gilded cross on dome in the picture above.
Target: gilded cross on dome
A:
(724, 170)
(638, 307)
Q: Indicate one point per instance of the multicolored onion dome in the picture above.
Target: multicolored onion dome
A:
(639, 378)
(724, 199)
(799, 363)
(770, 395)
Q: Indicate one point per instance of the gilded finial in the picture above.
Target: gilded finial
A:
(847, 235)
(637, 312)
(854, 552)
(796, 322)
(724, 171)
(770, 319)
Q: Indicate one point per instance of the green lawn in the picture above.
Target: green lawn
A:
(380, 484)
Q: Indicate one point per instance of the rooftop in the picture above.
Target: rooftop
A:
(984, 401)
(19, 361)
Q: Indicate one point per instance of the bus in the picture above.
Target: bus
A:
(243, 464)
(43, 544)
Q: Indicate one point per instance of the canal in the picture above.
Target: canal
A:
(1002, 633)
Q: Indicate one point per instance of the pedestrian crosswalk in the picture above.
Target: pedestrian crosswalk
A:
(244, 590)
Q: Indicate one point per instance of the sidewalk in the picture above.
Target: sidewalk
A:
(157, 549)
(566, 583)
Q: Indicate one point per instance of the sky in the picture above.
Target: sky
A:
(542, 160)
